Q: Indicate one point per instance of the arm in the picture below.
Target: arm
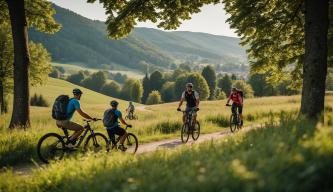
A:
(240, 99)
(83, 114)
(180, 103)
(229, 99)
(197, 103)
(123, 121)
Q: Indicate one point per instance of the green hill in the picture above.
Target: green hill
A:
(83, 41)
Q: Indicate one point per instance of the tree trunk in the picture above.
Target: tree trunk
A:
(20, 116)
(315, 61)
(3, 108)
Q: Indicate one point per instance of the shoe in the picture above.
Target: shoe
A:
(122, 148)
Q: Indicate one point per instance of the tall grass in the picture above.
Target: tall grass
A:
(297, 155)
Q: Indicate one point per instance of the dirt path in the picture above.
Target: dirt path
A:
(153, 146)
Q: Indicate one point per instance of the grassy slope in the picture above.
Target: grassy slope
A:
(296, 156)
(160, 122)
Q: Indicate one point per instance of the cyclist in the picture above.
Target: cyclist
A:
(110, 121)
(72, 107)
(192, 101)
(237, 103)
(130, 109)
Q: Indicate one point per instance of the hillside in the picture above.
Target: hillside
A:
(83, 41)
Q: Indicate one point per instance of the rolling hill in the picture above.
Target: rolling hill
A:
(83, 41)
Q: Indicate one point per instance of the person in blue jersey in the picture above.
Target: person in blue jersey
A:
(72, 107)
(110, 121)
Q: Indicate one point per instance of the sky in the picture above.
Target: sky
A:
(211, 19)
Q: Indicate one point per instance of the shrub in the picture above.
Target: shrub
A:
(38, 101)
(154, 98)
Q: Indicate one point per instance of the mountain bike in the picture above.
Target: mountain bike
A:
(235, 122)
(52, 146)
(131, 143)
(190, 127)
(131, 116)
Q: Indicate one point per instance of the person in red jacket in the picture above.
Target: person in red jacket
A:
(237, 102)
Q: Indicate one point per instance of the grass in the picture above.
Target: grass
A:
(297, 155)
(72, 69)
(156, 123)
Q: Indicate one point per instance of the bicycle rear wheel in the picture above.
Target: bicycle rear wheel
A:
(131, 143)
(50, 147)
(196, 131)
(185, 133)
(96, 142)
(233, 123)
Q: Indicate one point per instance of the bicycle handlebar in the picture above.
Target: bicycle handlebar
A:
(91, 120)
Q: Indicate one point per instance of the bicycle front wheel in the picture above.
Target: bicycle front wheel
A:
(196, 131)
(185, 133)
(131, 143)
(233, 123)
(96, 142)
(50, 147)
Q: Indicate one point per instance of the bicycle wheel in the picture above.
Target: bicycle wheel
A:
(131, 143)
(185, 133)
(50, 147)
(233, 123)
(196, 131)
(96, 142)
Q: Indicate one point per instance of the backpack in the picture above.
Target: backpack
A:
(59, 109)
(109, 118)
(241, 93)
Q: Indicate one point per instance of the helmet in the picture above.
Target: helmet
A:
(189, 85)
(114, 103)
(77, 92)
(130, 102)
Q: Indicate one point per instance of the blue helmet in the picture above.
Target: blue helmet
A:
(114, 103)
(77, 91)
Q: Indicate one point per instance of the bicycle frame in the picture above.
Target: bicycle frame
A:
(87, 128)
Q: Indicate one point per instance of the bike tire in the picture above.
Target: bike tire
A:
(131, 143)
(233, 125)
(185, 133)
(96, 142)
(41, 148)
(196, 132)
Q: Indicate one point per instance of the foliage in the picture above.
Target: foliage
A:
(146, 87)
(260, 86)
(156, 80)
(38, 100)
(154, 98)
(199, 83)
(209, 74)
(55, 73)
(168, 92)
(95, 81)
(76, 78)
(225, 84)
(243, 86)
(118, 77)
(329, 80)
(219, 94)
(111, 89)
(132, 90)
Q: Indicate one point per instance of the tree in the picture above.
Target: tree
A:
(199, 83)
(168, 92)
(20, 13)
(243, 86)
(260, 85)
(233, 77)
(95, 81)
(132, 90)
(55, 73)
(225, 84)
(76, 78)
(111, 89)
(209, 74)
(296, 46)
(154, 98)
(39, 68)
(146, 88)
(156, 80)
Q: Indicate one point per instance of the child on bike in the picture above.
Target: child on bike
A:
(110, 121)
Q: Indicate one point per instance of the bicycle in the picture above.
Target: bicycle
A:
(188, 127)
(52, 146)
(235, 122)
(131, 143)
(131, 116)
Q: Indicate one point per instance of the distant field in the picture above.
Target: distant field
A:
(156, 122)
(71, 69)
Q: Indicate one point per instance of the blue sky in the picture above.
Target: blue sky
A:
(210, 20)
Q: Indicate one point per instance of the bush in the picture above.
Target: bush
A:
(111, 89)
(154, 98)
(199, 83)
(168, 92)
(54, 73)
(38, 101)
